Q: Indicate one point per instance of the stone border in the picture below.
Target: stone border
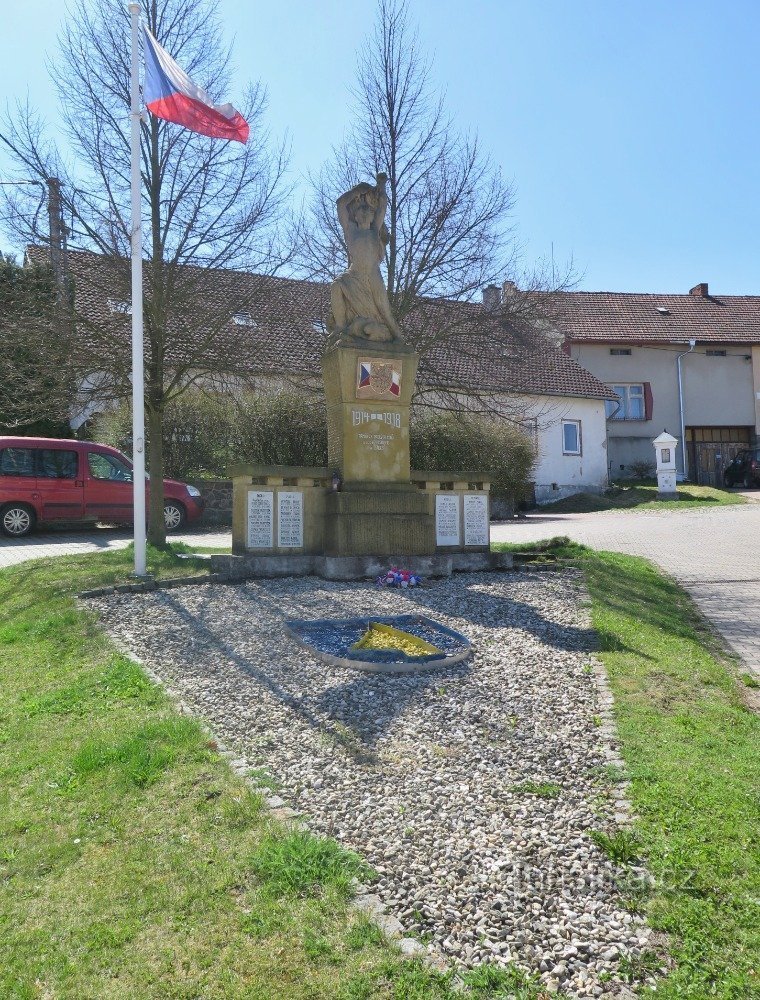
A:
(408, 666)
(345, 568)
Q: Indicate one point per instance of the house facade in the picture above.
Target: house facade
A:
(689, 364)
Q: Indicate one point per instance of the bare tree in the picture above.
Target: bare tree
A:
(207, 203)
(449, 209)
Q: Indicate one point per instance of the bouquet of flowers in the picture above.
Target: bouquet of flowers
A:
(396, 577)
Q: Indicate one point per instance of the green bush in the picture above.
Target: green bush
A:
(203, 433)
(455, 442)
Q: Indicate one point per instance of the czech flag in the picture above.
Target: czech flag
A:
(169, 93)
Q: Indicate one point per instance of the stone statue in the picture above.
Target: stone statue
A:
(358, 298)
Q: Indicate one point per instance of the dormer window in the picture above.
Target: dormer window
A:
(119, 307)
(663, 310)
(243, 318)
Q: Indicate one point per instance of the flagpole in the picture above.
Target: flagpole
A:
(138, 390)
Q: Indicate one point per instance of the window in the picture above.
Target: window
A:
(17, 462)
(632, 403)
(715, 354)
(571, 437)
(619, 351)
(56, 464)
(243, 319)
(108, 467)
(318, 326)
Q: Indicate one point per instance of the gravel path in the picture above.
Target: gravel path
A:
(426, 775)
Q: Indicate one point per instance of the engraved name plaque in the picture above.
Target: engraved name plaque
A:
(475, 519)
(290, 520)
(447, 519)
(260, 519)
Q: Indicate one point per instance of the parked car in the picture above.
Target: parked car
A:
(43, 480)
(744, 469)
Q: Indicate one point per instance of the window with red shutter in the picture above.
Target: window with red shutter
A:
(648, 401)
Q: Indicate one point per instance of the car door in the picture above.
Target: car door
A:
(59, 484)
(108, 487)
(18, 476)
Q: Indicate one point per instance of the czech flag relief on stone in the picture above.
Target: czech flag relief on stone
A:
(365, 374)
(169, 93)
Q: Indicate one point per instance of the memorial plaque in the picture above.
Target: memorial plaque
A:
(290, 519)
(447, 519)
(260, 519)
(476, 519)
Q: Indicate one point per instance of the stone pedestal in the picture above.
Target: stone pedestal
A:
(378, 510)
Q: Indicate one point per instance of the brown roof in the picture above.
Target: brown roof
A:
(633, 317)
(285, 311)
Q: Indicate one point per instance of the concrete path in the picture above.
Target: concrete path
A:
(713, 552)
(60, 543)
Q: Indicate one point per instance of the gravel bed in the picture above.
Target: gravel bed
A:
(430, 776)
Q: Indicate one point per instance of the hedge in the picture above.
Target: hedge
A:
(204, 433)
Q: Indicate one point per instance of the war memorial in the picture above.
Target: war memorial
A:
(367, 507)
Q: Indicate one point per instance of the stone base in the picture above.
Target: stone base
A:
(379, 522)
(368, 567)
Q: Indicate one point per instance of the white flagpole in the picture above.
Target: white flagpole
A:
(138, 390)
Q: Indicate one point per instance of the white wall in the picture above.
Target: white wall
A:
(557, 475)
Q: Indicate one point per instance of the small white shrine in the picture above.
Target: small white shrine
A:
(665, 455)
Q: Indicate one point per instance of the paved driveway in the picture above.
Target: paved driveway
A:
(60, 543)
(713, 552)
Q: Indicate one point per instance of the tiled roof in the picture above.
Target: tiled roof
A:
(287, 314)
(623, 317)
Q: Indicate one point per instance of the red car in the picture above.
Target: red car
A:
(47, 479)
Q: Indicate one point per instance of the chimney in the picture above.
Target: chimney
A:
(492, 297)
(508, 288)
(700, 290)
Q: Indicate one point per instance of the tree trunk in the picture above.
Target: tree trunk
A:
(156, 524)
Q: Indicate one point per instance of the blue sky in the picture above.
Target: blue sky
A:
(630, 130)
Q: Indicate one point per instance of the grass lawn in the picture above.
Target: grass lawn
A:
(691, 744)
(644, 494)
(133, 863)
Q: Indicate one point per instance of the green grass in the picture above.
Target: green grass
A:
(541, 789)
(691, 746)
(624, 496)
(133, 862)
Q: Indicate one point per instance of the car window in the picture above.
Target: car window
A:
(17, 462)
(55, 464)
(107, 467)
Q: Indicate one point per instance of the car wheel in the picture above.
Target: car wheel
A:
(16, 520)
(174, 515)
(748, 481)
(727, 481)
